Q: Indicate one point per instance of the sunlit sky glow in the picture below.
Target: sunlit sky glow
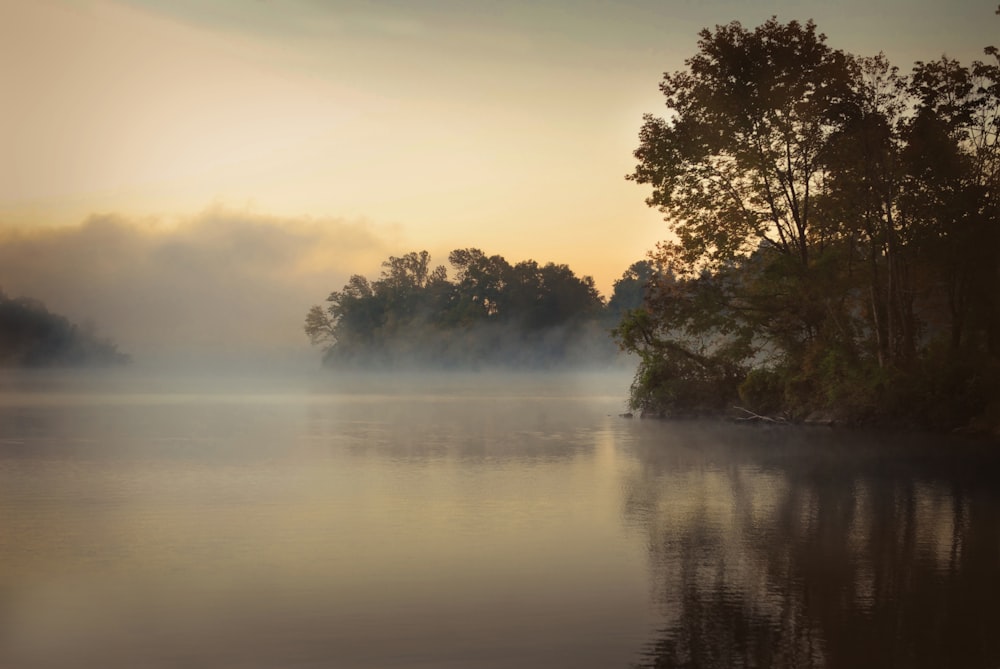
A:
(507, 126)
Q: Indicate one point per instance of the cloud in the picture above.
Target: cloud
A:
(222, 281)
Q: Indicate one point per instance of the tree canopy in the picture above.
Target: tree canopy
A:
(490, 312)
(836, 232)
(32, 336)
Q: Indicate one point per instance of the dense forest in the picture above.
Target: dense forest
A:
(32, 336)
(490, 313)
(836, 234)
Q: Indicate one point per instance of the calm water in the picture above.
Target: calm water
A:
(475, 522)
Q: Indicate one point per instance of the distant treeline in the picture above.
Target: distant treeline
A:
(490, 313)
(32, 336)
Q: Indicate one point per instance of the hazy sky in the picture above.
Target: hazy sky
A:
(287, 144)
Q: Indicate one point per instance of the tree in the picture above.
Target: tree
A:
(32, 336)
(629, 292)
(738, 162)
(481, 280)
(492, 312)
(736, 169)
(550, 296)
(833, 222)
(693, 352)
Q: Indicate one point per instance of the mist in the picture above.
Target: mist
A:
(223, 285)
(227, 291)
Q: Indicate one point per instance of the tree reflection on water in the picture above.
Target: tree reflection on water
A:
(789, 548)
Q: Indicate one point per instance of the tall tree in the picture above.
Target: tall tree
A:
(833, 223)
(737, 167)
(481, 281)
(737, 163)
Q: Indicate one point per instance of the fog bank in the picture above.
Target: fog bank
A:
(223, 284)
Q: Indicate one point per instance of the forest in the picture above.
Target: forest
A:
(491, 313)
(835, 235)
(833, 256)
(32, 336)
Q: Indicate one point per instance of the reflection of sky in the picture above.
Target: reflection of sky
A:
(512, 522)
(355, 530)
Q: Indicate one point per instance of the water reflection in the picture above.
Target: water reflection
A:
(476, 525)
(369, 528)
(792, 548)
(428, 429)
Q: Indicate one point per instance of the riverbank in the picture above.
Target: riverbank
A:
(985, 426)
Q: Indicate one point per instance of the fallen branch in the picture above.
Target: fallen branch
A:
(753, 416)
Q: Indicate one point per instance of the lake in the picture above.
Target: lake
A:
(475, 521)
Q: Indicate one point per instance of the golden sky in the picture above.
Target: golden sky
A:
(507, 126)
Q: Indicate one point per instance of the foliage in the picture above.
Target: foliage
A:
(836, 230)
(763, 391)
(31, 336)
(492, 312)
(629, 292)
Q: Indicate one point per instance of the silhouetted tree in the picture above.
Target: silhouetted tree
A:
(492, 312)
(629, 292)
(32, 336)
(836, 226)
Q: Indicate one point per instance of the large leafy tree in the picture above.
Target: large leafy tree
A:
(952, 157)
(834, 226)
(737, 167)
(738, 160)
(481, 282)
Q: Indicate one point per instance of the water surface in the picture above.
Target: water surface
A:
(475, 521)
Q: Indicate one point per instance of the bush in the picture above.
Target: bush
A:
(763, 391)
(673, 385)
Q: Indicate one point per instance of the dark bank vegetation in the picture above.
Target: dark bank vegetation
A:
(490, 312)
(32, 336)
(836, 234)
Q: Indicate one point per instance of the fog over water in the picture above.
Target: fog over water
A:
(215, 284)
(317, 519)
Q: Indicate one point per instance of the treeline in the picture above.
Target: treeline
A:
(490, 313)
(836, 224)
(32, 336)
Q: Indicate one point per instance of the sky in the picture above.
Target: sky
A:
(197, 173)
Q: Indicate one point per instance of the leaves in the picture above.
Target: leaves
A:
(491, 311)
(738, 161)
(823, 207)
